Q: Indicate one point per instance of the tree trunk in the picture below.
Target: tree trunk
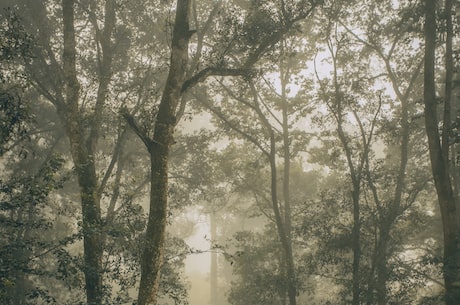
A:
(284, 72)
(355, 177)
(439, 164)
(381, 260)
(284, 239)
(159, 153)
(213, 272)
(283, 234)
(394, 210)
(356, 247)
(84, 163)
(455, 149)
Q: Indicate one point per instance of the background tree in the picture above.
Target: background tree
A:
(386, 208)
(264, 120)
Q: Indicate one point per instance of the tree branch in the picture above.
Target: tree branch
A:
(212, 71)
(253, 57)
(139, 131)
(115, 155)
(233, 126)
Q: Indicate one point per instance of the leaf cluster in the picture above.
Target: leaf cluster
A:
(29, 246)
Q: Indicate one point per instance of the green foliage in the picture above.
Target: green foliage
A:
(15, 44)
(14, 116)
(258, 261)
(225, 168)
(29, 249)
(173, 283)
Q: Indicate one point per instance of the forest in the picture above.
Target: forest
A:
(316, 143)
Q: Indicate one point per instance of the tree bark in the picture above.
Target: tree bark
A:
(82, 156)
(439, 164)
(159, 149)
(292, 290)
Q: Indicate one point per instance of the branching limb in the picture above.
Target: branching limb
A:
(113, 161)
(212, 71)
(138, 130)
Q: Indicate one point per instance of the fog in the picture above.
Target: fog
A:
(228, 152)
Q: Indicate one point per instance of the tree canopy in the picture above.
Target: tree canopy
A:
(319, 140)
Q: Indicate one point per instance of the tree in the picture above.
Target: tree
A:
(166, 119)
(159, 148)
(33, 240)
(255, 251)
(83, 145)
(244, 63)
(267, 120)
(258, 263)
(388, 186)
(27, 235)
(439, 148)
(57, 80)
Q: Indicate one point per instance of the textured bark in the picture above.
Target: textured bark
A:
(455, 149)
(159, 149)
(84, 164)
(292, 289)
(452, 105)
(83, 146)
(440, 165)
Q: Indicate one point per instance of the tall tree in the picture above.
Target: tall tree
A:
(439, 149)
(359, 41)
(83, 145)
(340, 103)
(263, 120)
(167, 116)
(57, 79)
(402, 72)
(159, 148)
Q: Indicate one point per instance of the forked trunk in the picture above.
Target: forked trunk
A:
(159, 148)
(440, 165)
(82, 156)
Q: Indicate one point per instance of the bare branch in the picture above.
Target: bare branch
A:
(115, 154)
(233, 126)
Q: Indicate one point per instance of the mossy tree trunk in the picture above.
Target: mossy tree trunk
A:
(83, 144)
(159, 148)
